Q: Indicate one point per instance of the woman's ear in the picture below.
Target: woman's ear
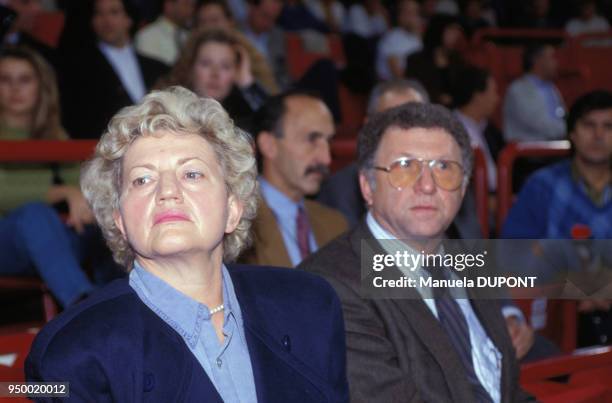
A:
(119, 222)
(234, 213)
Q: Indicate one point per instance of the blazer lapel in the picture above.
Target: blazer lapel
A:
(270, 246)
(278, 375)
(424, 323)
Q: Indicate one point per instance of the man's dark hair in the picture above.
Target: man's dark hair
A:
(589, 102)
(531, 54)
(269, 117)
(473, 79)
(410, 116)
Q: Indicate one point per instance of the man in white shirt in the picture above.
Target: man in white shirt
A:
(162, 39)
(400, 42)
(105, 73)
(476, 99)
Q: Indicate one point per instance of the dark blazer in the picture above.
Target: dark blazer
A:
(92, 93)
(112, 347)
(396, 349)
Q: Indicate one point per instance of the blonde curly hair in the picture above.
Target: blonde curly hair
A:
(178, 110)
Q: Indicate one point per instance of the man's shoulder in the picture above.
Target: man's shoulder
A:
(336, 259)
(315, 208)
(549, 175)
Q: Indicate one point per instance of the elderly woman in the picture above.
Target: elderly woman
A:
(173, 185)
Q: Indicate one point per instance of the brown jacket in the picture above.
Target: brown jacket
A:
(268, 245)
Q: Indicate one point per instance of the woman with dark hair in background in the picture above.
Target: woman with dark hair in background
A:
(437, 65)
(213, 64)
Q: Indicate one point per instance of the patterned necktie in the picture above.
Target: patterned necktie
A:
(303, 233)
(455, 325)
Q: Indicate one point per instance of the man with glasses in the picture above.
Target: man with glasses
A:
(414, 164)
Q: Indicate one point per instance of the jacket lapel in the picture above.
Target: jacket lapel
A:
(278, 375)
(422, 321)
(270, 246)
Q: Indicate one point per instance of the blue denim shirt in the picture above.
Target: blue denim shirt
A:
(227, 364)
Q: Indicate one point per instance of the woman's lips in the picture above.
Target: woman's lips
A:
(170, 216)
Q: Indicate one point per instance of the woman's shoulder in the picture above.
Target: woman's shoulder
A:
(276, 278)
(112, 311)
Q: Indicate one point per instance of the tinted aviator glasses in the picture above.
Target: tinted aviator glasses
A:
(404, 172)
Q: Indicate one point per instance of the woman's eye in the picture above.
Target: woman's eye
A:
(192, 175)
(143, 180)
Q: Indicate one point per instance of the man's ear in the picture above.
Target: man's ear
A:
(366, 190)
(266, 144)
(119, 222)
(235, 209)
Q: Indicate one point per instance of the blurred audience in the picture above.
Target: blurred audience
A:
(587, 21)
(33, 239)
(261, 30)
(330, 12)
(573, 199)
(474, 16)
(368, 19)
(437, 65)
(577, 191)
(297, 16)
(18, 33)
(533, 107)
(163, 38)
(214, 64)
(400, 42)
(476, 99)
(215, 14)
(101, 70)
(292, 132)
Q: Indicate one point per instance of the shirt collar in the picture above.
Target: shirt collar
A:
(598, 198)
(280, 204)
(184, 314)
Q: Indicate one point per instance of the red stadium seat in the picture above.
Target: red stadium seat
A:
(505, 163)
(48, 26)
(299, 59)
(587, 373)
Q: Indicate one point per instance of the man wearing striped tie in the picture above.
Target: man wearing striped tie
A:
(414, 164)
(293, 131)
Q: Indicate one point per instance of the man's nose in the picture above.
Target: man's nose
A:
(323, 153)
(169, 188)
(425, 182)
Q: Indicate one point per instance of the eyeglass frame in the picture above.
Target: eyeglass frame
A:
(429, 163)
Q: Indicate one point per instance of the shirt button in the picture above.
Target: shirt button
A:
(219, 362)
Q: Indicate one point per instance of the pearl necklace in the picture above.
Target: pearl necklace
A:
(216, 309)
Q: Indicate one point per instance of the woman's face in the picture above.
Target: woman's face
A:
(214, 70)
(174, 202)
(19, 86)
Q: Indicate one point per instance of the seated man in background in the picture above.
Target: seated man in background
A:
(441, 349)
(533, 107)
(292, 132)
(574, 196)
(476, 98)
(101, 72)
(162, 39)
